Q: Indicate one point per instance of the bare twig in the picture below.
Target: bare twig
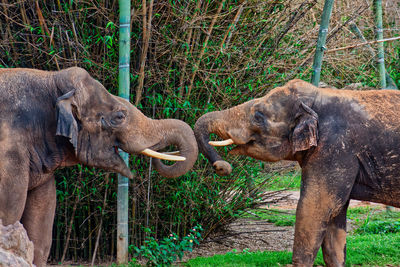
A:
(187, 50)
(232, 26)
(71, 221)
(210, 29)
(45, 30)
(101, 220)
(146, 39)
(362, 44)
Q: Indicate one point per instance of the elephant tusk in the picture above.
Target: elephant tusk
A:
(226, 142)
(164, 156)
(172, 152)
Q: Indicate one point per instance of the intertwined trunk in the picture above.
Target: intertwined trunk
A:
(179, 134)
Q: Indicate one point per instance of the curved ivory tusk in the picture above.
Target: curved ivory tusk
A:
(226, 142)
(172, 152)
(154, 154)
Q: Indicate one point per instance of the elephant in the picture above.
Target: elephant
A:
(346, 143)
(58, 119)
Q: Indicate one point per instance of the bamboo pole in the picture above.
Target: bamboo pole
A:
(381, 52)
(379, 36)
(123, 91)
(390, 84)
(357, 32)
(319, 51)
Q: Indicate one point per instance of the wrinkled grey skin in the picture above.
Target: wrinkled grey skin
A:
(346, 143)
(55, 119)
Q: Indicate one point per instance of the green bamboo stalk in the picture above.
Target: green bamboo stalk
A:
(323, 32)
(123, 80)
(390, 84)
(381, 51)
(379, 36)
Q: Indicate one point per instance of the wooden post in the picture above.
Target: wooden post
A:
(123, 91)
(323, 32)
(379, 36)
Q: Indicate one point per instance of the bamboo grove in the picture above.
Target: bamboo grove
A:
(187, 57)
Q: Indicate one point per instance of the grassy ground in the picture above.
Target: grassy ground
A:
(374, 241)
(278, 217)
(289, 181)
(373, 237)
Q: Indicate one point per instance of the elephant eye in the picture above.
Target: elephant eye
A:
(259, 117)
(118, 118)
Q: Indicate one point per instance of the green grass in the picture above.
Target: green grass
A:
(378, 222)
(373, 246)
(373, 249)
(362, 250)
(290, 180)
(373, 220)
(265, 258)
(277, 217)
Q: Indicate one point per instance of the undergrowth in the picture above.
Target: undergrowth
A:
(201, 56)
(375, 242)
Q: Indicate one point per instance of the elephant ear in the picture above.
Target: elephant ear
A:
(67, 125)
(305, 133)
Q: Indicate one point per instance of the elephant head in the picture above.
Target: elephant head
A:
(98, 124)
(277, 126)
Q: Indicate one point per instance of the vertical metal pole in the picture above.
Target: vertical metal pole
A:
(379, 36)
(323, 32)
(123, 81)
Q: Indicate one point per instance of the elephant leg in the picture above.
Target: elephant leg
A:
(12, 201)
(334, 243)
(317, 206)
(14, 178)
(327, 180)
(38, 219)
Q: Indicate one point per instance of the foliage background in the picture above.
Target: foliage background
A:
(187, 58)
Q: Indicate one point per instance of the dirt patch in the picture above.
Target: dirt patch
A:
(287, 200)
(246, 234)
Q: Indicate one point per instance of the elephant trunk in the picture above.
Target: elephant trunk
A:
(213, 122)
(176, 133)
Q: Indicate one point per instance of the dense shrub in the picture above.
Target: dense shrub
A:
(201, 56)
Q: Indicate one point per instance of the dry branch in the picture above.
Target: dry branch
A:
(187, 50)
(210, 29)
(101, 221)
(362, 44)
(71, 222)
(146, 40)
(232, 26)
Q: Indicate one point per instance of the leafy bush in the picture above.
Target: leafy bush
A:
(372, 220)
(191, 68)
(168, 250)
(379, 227)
